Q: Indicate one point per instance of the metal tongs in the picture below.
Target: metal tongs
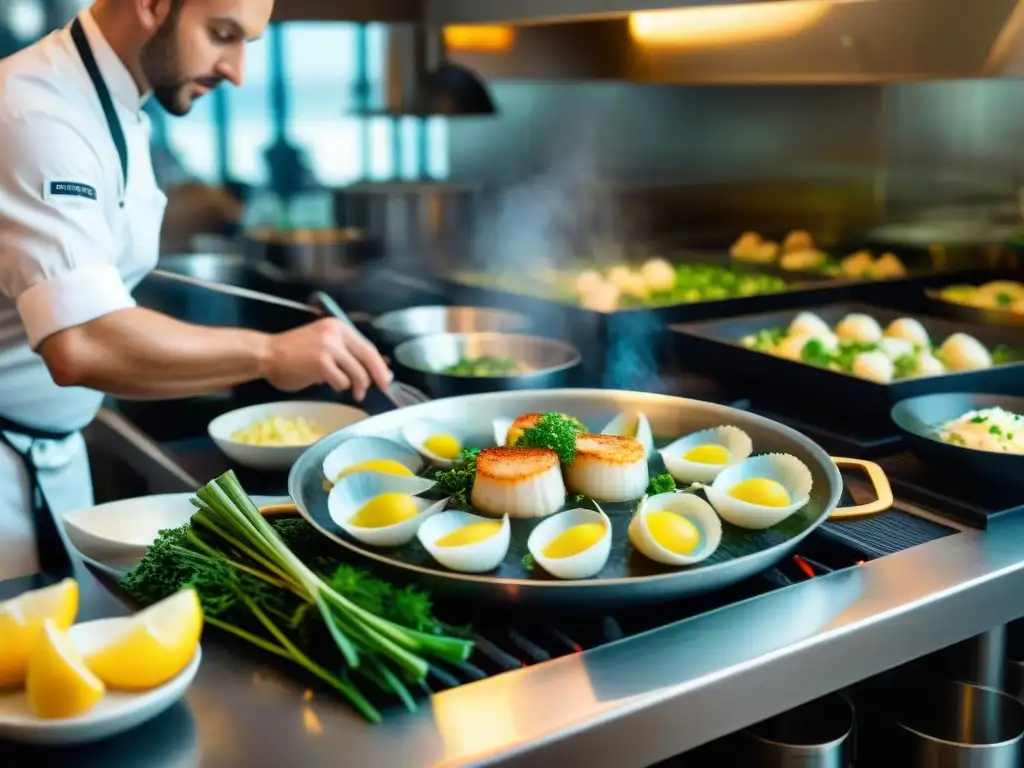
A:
(400, 394)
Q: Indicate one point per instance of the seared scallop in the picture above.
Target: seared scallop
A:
(518, 482)
(608, 468)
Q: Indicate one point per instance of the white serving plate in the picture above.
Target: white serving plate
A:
(118, 533)
(116, 712)
(330, 416)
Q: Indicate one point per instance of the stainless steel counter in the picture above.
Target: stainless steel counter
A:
(630, 703)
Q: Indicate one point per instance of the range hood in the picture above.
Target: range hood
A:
(758, 41)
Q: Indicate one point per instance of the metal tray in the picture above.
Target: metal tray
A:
(715, 346)
(628, 578)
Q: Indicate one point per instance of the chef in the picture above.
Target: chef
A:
(80, 218)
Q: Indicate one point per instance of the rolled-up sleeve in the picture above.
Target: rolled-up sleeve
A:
(58, 252)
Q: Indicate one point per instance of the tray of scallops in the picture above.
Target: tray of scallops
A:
(571, 497)
(856, 357)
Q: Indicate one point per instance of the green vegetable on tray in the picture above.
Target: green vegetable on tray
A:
(278, 586)
(484, 367)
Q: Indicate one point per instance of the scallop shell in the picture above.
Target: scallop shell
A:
(786, 470)
(360, 449)
(354, 491)
(694, 509)
(733, 439)
(416, 434)
(501, 428)
(583, 565)
(478, 557)
(632, 424)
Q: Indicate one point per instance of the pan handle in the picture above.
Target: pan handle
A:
(879, 482)
(273, 511)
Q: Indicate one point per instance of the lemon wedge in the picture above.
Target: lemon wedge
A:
(21, 621)
(58, 683)
(155, 646)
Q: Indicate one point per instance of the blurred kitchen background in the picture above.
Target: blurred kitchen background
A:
(899, 116)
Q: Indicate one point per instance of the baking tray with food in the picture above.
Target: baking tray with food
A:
(995, 301)
(580, 499)
(857, 357)
(850, 259)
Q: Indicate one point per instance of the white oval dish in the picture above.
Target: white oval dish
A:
(360, 449)
(478, 557)
(582, 565)
(688, 505)
(632, 424)
(116, 712)
(329, 416)
(786, 470)
(348, 497)
(733, 439)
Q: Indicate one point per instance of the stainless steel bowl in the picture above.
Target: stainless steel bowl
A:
(404, 324)
(551, 363)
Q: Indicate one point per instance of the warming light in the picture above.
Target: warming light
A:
(725, 24)
(480, 39)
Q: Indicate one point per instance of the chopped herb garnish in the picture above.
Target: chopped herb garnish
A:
(554, 431)
(979, 420)
(577, 498)
(663, 483)
(457, 482)
(994, 430)
(528, 563)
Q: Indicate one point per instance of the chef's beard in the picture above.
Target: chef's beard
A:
(162, 64)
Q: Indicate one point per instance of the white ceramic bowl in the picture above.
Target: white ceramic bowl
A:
(329, 416)
(116, 712)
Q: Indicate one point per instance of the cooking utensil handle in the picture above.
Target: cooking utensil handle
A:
(879, 482)
(286, 509)
(332, 308)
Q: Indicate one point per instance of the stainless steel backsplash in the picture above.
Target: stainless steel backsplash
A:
(830, 157)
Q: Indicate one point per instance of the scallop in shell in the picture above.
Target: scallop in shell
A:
(700, 456)
(381, 510)
(675, 529)
(465, 542)
(438, 445)
(574, 544)
(371, 454)
(761, 491)
(632, 424)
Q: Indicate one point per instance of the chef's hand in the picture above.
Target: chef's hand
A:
(328, 351)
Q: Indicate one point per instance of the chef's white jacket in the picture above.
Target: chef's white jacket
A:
(74, 243)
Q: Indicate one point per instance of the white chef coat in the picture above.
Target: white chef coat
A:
(74, 243)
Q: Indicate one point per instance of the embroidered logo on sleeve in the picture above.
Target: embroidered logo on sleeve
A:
(55, 190)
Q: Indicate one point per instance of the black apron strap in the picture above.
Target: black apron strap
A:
(113, 122)
(54, 559)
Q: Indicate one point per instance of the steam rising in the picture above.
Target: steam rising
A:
(561, 219)
(569, 218)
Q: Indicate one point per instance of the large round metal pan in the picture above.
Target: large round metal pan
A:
(628, 577)
(919, 419)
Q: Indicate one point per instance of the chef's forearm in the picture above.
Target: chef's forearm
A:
(141, 353)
